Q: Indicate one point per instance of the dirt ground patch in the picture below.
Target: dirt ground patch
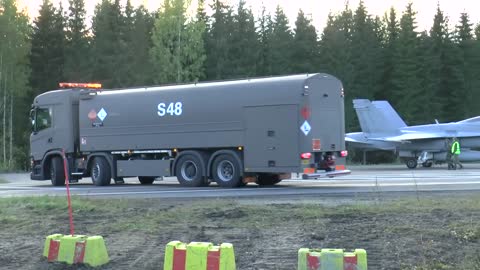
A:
(439, 232)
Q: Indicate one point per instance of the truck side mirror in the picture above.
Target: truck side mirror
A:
(32, 120)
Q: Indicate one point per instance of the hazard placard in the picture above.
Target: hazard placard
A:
(305, 128)
(92, 115)
(102, 114)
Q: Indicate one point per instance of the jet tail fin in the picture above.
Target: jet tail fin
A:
(377, 116)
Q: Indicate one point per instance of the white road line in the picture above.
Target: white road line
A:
(176, 191)
(380, 181)
(352, 183)
(18, 188)
(401, 184)
(262, 189)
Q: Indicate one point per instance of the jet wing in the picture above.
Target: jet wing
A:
(350, 139)
(357, 140)
(410, 136)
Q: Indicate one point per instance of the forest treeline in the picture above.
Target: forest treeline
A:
(425, 75)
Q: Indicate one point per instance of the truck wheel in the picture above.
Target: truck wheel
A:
(100, 172)
(189, 171)
(226, 171)
(268, 179)
(411, 163)
(146, 180)
(57, 172)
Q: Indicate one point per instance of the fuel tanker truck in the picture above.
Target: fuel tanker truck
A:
(231, 132)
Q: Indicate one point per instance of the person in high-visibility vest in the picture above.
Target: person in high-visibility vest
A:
(455, 151)
(448, 149)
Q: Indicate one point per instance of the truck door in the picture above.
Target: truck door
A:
(271, 138)
(43, 132)
(327, 115)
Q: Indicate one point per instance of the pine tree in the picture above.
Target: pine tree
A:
(281, 44)
(129, 13)
(219, 41)
(390, 51)
(305, 52)
(139, 43)
(245, 44)
(15, 97)
(366, 55)
(195, 53)
(464, 31)
(77, 51)
(335, 47)
(435, 52)
(130, 47)
(48, 45)
(109, 47)
(203, 21)
(177, 52)
(426, 95)
(407, 97)
(335, 58)
(447, 83)
(201, 13)
(470, 62)
(265, 36)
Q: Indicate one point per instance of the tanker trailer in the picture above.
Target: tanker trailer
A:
(230, 132)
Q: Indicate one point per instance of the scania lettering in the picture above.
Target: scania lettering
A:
(232, 132)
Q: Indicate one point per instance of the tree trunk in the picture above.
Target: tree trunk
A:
(1, 69)
(4, 129)
(10, 152)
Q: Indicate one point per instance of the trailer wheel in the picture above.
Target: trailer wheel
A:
(189, 171)
(146, 180)
(57, 172)
(226, 171)
(100, 172)
(268, 179)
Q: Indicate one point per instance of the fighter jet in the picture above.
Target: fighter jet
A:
(383, 129)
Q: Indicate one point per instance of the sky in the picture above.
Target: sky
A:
(318, 10)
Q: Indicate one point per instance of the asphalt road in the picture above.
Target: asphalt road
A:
(363, 180)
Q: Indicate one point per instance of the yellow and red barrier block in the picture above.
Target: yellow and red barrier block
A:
(199, 256)
(75, 249)
(331, 259)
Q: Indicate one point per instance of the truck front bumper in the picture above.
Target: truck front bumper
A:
(321, 174)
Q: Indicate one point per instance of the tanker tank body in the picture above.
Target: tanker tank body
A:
(231, 132)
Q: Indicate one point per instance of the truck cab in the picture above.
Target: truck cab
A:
(54, 119)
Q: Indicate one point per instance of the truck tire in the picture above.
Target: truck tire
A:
(411, 163)
(226, 171)
(57, 172)
(268, 179)
(146, 180)
(189, 171)
(100, 172)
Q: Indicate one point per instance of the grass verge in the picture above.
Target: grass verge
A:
(434, 233)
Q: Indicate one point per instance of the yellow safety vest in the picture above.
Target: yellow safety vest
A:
(456, 148)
